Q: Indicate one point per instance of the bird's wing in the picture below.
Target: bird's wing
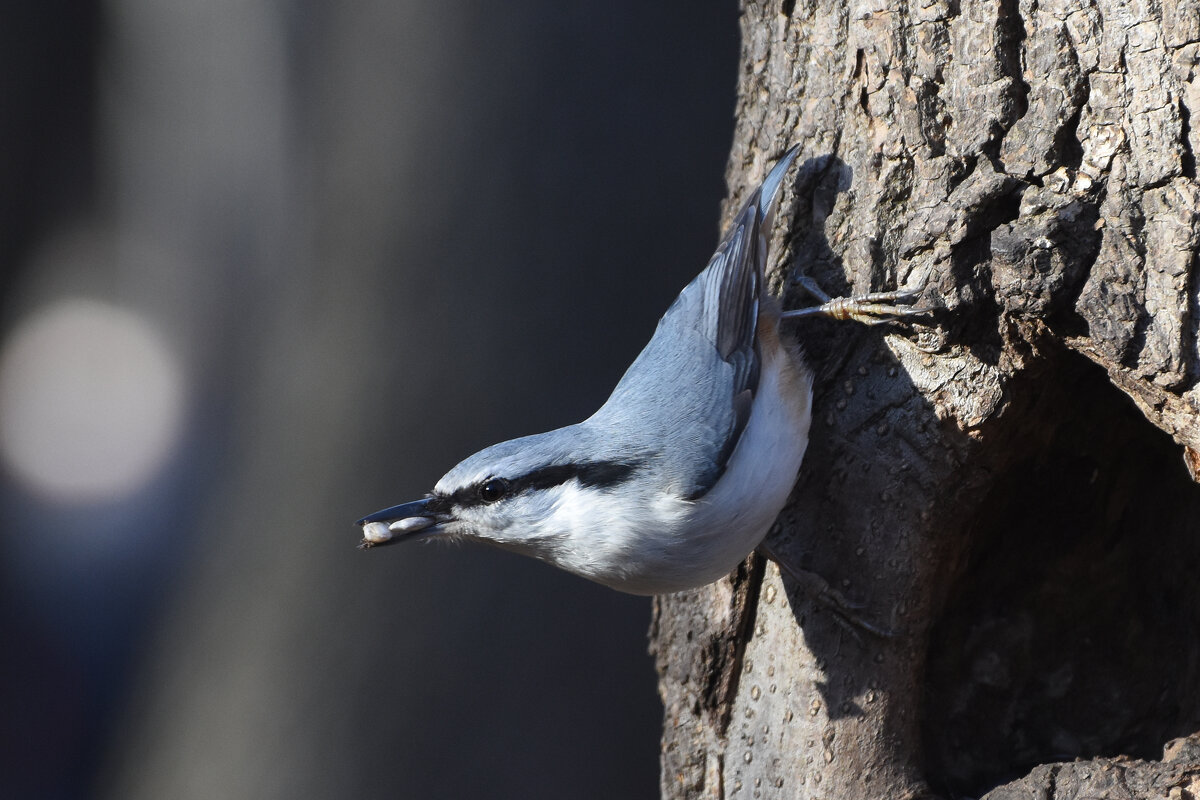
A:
(693, 385)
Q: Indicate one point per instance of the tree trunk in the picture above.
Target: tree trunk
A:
(984, 486)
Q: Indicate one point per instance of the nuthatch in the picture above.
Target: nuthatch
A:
(680, 474)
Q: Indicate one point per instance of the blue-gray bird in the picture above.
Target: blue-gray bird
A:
(680, 474)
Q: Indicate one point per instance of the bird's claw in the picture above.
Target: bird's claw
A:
(845, 611)
(872, 308)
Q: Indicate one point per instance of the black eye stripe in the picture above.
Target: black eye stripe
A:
(596, 474)
(439, 504)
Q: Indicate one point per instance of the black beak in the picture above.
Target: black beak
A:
(398, 523)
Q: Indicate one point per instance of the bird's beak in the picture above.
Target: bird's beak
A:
(402, 523)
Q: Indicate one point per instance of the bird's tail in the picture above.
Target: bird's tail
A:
(768, 192)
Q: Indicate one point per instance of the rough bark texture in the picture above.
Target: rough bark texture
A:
(984, 485)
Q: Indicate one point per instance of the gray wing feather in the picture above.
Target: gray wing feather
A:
(693, 384)
(731, 292)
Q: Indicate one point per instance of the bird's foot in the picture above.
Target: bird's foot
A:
(869, 309)
(845, 611)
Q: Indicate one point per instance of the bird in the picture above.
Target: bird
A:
(681, 473)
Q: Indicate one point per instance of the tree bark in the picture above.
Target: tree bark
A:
(983, 485)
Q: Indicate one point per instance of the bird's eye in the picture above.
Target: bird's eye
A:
(493, 490)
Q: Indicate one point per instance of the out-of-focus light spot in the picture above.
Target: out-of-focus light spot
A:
(91, 401)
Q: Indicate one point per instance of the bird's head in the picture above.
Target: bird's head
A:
(531, 495)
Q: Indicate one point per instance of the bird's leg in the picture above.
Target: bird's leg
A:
(844, 611)
(869, 309)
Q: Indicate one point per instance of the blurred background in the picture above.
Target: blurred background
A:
(267, 267)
